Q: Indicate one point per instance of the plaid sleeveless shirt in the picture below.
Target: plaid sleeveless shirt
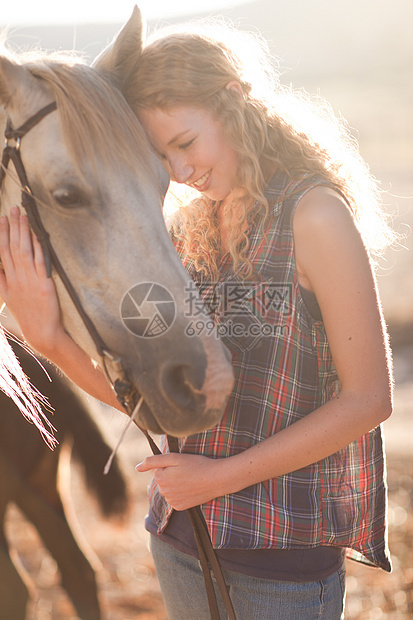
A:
(283, 371)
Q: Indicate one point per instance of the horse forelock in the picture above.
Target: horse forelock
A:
(97, 122)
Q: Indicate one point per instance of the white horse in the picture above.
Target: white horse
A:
(99, 187)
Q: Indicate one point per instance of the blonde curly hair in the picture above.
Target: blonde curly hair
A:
(272, 127)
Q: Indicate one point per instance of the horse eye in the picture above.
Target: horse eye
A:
(70, 196)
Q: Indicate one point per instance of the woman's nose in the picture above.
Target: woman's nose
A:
(180, 170)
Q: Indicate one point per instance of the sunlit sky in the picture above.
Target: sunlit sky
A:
(33, 12)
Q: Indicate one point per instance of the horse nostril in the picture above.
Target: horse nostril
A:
(178, 386)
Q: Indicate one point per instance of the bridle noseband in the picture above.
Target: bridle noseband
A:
(112, 365)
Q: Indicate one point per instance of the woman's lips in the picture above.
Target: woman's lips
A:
(202, 183)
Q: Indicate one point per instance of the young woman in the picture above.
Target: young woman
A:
(293, 476)
(278, 239)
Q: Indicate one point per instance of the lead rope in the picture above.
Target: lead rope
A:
(207, 555)
(123, 389)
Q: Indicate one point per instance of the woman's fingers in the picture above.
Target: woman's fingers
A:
(5, 254)
(21, 244)
(26, 243)
(21, 253)
(39, 260)
(14, 228)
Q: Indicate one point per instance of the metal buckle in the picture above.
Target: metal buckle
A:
(17, 144)
(115, 373)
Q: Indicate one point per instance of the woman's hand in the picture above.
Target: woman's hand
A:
(24, 286)
(32, 299)
(185, 480)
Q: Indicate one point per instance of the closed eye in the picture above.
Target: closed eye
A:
(181, 147)
(186, 145)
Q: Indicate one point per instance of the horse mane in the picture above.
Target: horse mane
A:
(95, 117)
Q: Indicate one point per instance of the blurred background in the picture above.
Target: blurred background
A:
(359, 56)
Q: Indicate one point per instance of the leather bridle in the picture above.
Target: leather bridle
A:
(111, 364)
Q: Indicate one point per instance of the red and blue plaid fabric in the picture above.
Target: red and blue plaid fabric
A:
(284, 370)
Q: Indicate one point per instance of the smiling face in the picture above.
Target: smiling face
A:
(194, 149)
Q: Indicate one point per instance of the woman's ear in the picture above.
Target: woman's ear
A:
(236, 86)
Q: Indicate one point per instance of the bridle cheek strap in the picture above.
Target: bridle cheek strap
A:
(12, 152)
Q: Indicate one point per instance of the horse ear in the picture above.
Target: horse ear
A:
(15, 80)
(11, 75)
(118, 61)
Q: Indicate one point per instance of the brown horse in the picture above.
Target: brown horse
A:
(29, 479)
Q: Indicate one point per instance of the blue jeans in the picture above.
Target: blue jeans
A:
(183, 591)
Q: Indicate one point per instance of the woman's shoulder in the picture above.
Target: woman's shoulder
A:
(284, 191)
(322, 209)
(325, 234)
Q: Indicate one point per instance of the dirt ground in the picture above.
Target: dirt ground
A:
(127, 580)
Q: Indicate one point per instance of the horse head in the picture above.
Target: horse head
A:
(98, 189)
